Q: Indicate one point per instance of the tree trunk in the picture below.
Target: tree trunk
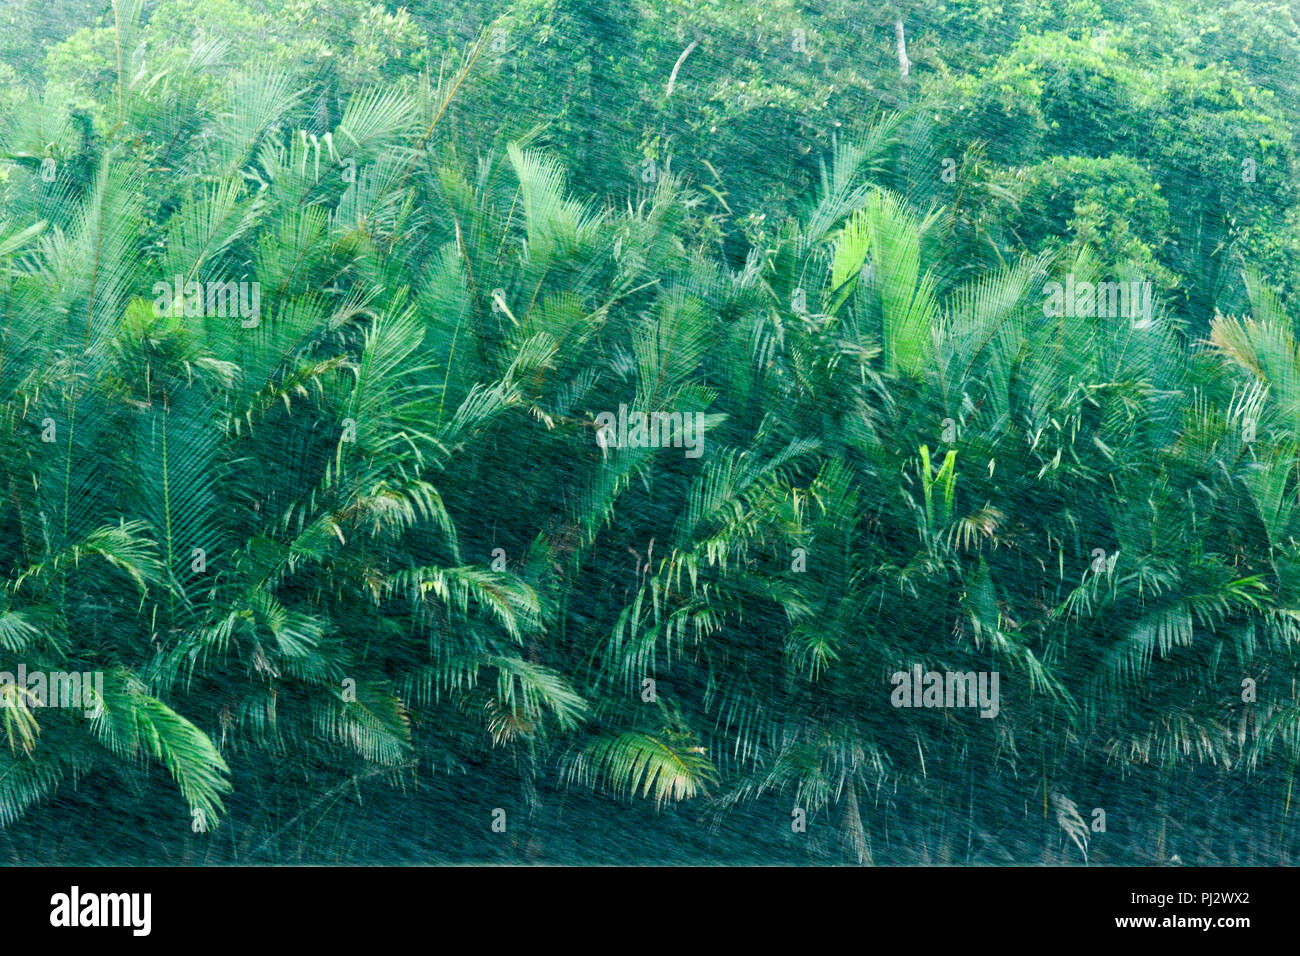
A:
(853, 823)
(904, 64)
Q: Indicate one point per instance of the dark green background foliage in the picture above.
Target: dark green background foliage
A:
(426, 592)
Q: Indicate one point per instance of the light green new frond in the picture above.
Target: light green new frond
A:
(555, 226)
(634, 760)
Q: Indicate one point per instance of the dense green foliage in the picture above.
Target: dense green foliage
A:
(360, 571)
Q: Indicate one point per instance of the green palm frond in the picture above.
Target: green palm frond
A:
(127, 721)
(627, 762)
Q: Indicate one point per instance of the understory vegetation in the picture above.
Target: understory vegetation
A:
(308, 316)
